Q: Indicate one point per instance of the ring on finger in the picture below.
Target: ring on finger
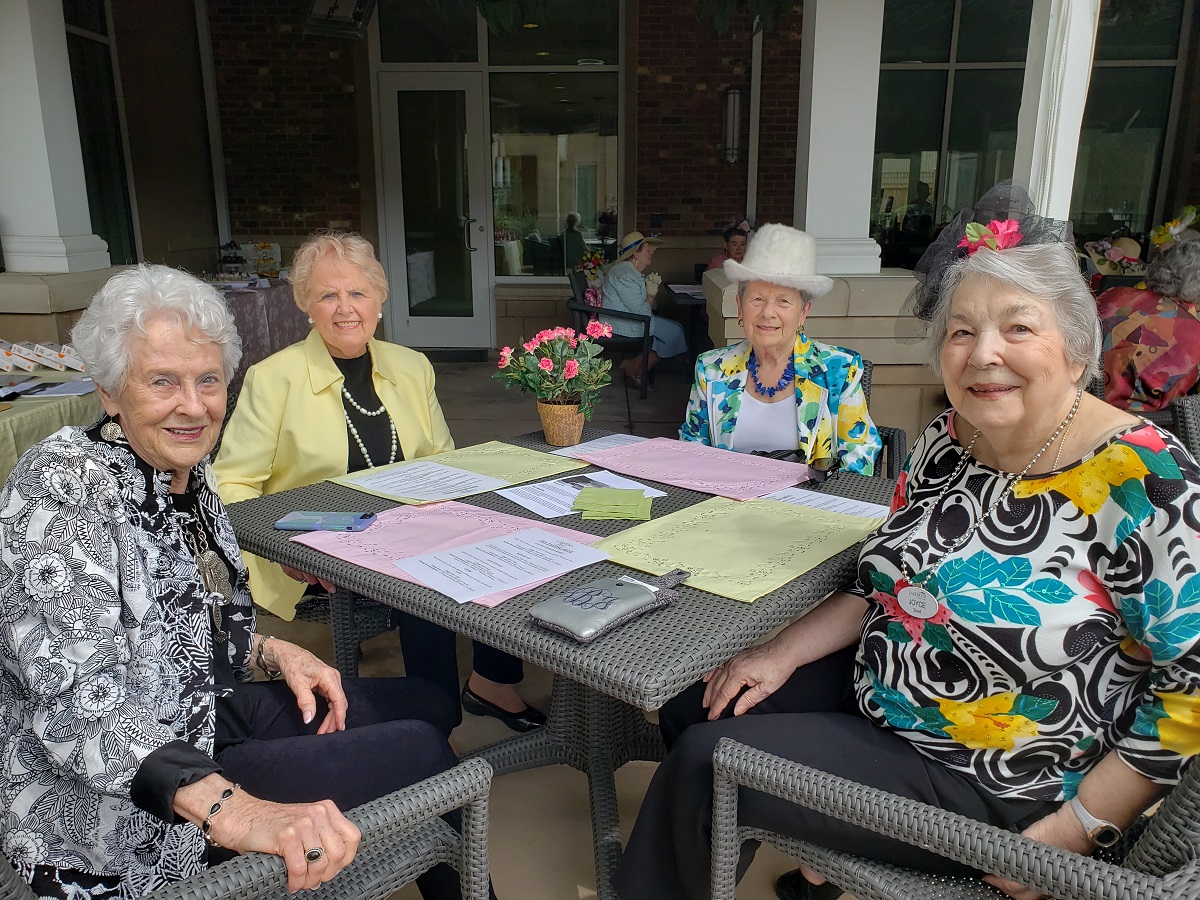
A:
(314, 854)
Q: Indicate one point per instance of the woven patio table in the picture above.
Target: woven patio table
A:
(596, 720)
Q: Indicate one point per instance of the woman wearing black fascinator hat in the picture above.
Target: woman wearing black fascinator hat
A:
(1019, 643)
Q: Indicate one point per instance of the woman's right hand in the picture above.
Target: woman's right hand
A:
(761, 670)
(297, 575)
(289, 830)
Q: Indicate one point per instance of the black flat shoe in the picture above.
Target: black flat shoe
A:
(525, 720)
(794, 886)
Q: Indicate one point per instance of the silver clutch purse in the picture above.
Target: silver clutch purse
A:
(590, 610)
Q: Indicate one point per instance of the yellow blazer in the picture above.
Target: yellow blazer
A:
(289, 429)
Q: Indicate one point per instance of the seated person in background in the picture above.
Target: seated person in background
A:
(626, 287)
(573, 243)
(918, 215)
(339, 402)
(735, 238)
(998, 655)
(778, 389)
(1152, 333)
(129, 637)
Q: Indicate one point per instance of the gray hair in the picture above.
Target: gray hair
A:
(134, 297)
(1176, 273)
(1045, 273)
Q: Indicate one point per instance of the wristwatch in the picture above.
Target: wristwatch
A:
(1100, 832)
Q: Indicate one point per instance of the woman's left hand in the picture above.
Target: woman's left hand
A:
(1059, 829)
(306, 675)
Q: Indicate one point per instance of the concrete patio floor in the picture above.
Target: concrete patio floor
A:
(541, 845)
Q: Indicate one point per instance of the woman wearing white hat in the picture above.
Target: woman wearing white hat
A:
(627, 288)
(779, 389)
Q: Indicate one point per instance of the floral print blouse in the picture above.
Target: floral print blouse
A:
(107, 656)
(831, 408)
(1068, 626)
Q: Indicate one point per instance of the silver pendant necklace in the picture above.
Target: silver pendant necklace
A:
(914, 598)
(213, 572)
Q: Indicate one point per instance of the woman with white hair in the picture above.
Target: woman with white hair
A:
(339, 402)
(1020, 645)
(133, 752)
(1152, 333)
(778, 389)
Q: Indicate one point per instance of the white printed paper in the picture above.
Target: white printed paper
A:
(831, 502)
(605, 443)
(426, 482)
(553, 499)
(517, 560)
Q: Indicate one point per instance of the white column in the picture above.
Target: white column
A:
(835, 140)
(1058, 67)
(45, 225)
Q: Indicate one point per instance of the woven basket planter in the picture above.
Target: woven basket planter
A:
(561, 422)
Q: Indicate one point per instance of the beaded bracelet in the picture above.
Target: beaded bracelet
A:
(271, 672)
(206, 825)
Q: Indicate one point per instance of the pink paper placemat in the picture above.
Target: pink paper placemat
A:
(709, 470)
(412, 530)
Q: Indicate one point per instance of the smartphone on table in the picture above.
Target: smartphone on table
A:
(325, 521)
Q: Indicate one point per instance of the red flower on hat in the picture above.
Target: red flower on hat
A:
(996, 235)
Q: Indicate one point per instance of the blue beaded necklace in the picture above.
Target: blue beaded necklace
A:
(788, 374)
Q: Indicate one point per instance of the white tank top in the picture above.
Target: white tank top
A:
(765, 426)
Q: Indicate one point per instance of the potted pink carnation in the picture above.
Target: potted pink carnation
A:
(565, 371)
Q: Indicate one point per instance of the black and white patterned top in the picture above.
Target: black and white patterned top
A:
(106, 653)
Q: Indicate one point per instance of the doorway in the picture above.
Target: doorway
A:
(436, 204)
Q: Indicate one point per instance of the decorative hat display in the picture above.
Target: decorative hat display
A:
(1116, 256)
(631, 242)
(1002, 218)
(779, 254)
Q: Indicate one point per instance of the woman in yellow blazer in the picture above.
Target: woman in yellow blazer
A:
(342, 401)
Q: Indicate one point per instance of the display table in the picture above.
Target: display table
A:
(30, 420)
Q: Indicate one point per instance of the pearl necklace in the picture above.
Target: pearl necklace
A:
(370, 413)
(788, 374)
(917, 600)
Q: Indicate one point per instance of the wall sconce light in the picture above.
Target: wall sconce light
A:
(733, 124)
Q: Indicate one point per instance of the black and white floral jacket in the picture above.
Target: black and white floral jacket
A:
(106, 654)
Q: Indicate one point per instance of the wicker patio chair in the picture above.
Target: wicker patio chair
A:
(403, 836)
(1160, 862)
(895, 440)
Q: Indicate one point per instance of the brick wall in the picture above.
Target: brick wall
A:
(777, 130)
(288, 120)
(683, 68)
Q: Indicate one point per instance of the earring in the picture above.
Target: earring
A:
(310, 321)
(739, 322)
(380, 316)
(111, 431)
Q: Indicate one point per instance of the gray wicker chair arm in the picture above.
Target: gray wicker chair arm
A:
(386, 821)
(895, 445)
(980, 846)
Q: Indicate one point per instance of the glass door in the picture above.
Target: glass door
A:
(436, 201)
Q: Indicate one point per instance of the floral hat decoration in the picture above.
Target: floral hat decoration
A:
(1178, 229)
(1002, 218)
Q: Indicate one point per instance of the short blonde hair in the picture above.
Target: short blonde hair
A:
(348, 249)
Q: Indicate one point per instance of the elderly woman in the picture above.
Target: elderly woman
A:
(779, 389)
(339, 402)
(132, 750)
(627, 288)
(1019, 646)
(734, 238)
(1152, 334)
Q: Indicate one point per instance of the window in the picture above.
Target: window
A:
(1128, 120)
(950, 82)
(553, 86)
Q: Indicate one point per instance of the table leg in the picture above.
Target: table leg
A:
(595, 734)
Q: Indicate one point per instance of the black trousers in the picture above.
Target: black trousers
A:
(396, 735)
(430, 653)
(807, 720)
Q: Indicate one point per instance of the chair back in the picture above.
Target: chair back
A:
(1171, 838)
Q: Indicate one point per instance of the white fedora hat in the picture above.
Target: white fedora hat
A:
(779, 254)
